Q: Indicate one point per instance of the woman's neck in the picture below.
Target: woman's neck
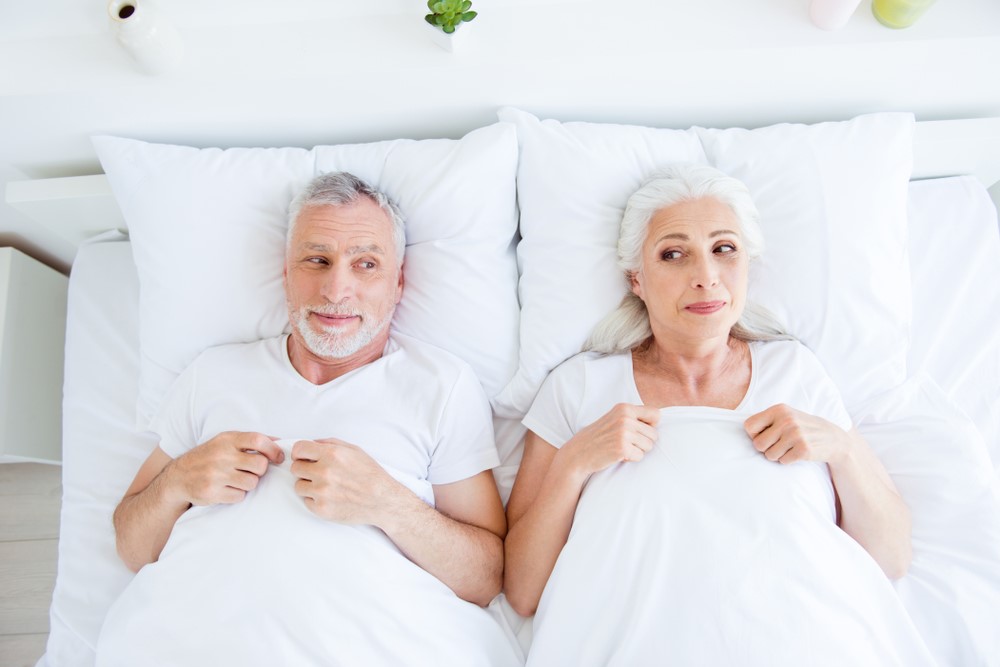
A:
(715, 372)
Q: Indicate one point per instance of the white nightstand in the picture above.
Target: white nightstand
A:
(32, 338)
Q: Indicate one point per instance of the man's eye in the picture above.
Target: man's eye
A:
(316, 260)
(367, 265)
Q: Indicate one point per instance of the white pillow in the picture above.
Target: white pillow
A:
(954, 246)
(940, 465)
(832, 199)
(208, 227)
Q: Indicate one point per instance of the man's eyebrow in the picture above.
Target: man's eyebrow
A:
(365, 249)
(353, 250)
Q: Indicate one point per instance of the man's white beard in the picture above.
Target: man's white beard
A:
(332, 344)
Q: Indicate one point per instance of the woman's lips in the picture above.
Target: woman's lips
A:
(705, 307)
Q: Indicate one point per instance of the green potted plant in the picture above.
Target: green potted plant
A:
(445, 17)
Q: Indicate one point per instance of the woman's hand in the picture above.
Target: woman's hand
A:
(547, 489)
(787, 435)
(869, 507)
(625, 433)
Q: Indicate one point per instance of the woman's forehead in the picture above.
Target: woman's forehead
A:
(697, 217)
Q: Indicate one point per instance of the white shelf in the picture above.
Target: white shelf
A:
(75, 208)
(32, 339)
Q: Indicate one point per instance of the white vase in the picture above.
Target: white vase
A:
(832, 14)
(453, 42)
(150, 39)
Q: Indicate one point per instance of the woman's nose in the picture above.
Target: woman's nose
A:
(705, 274)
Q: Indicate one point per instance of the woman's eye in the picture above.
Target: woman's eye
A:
(668, 255)
(725, 248)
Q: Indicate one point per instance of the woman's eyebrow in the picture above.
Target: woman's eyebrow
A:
(684, 237)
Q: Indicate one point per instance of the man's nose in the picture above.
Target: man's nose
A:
(338, 284)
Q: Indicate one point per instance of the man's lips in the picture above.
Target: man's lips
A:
(705, 307)
(334, 319)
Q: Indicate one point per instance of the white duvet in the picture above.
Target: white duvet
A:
(706, 553)
(265, 582)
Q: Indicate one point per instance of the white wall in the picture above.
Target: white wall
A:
(303, 72)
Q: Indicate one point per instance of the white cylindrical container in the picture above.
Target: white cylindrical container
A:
(146, 35)
(832, 14)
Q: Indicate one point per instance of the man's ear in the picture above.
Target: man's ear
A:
(399, 286)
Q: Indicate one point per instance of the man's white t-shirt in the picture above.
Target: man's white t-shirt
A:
(587, 386)
(266, 582)
(417, 410)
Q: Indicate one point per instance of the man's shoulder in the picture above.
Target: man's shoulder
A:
(229, 353)
(423, 355)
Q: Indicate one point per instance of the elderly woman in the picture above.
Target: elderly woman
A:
(692, 491)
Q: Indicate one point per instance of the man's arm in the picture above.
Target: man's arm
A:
(221, 470)
(460, 542)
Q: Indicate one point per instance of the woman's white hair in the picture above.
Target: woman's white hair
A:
(628, 326)
(340, 188)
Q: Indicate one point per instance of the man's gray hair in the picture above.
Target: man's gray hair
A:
(628, 326)
(340, 188)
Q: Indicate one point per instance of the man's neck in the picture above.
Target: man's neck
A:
(320, 370)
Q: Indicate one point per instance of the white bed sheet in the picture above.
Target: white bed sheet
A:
(754, 572)
(102, 451)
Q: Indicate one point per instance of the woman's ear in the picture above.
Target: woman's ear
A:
(634, 283)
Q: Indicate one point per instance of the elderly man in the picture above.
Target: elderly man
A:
(387, 444)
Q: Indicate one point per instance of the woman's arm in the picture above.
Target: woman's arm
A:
(547, 489)
(870, 508)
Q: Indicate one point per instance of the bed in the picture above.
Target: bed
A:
(884, 243)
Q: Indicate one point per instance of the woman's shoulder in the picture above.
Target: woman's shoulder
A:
(583, 363)
(575, 374)
(783, 350)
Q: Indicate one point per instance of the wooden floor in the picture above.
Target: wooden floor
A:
(29, 528)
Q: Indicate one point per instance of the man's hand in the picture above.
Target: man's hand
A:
(340, 482)
(223, 469)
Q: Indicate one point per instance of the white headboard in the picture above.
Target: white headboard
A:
(80, 207)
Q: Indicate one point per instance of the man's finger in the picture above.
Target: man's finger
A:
(252, 462)
(305, 450)
(269, 449)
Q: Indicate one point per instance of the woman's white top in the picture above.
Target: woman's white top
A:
(586, 386)
(705, 552)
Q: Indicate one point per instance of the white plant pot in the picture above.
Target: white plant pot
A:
(149, 38)
(453, 42)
